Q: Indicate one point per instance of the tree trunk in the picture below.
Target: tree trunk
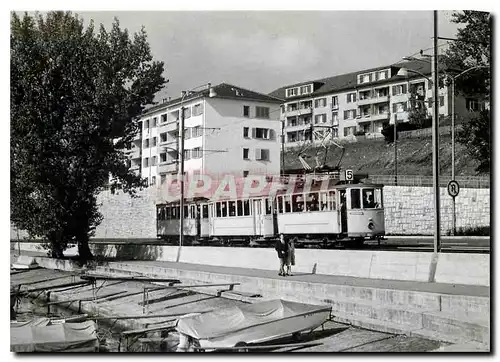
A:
(84, 251)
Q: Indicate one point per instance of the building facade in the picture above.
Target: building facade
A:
(227, 130)
(360, 103)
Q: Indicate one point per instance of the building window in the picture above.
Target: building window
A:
(262, 154)
(153, 180)
(335, 102)
(262, 112)
(187, 154)
(320, 118)
(335, 118)
(197, 109)
(351, 97)
(154, 141)
(291, 107)
(399, 107)
(187, 133)
(163, 118)
(383, 75)
(163, 157)
(153, 161)
(430, 102)
(245, 174)
(163, 178)
(350, 114)
(306, 89)
(146, 124)
(335, 132)
(364, 78)
(155, 121)
(291, 92)
(261, 133)
(146, 162)
(245, 132)
(318, 103)
(473, 105)
(245, 153)
(246, 111)
(196, 153)
(441, 101)
(146, 143)
(399, 89)
(187, 112)
(349, 131)
(163, 137)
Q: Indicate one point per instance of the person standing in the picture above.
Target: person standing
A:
(282, 250)
(290, 260)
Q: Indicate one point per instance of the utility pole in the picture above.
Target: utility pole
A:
(453, 218)
(181, 160)
(435, 140)
(395, 149)
(283, 147)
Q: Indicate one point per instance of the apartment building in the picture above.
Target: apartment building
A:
(227, 129)
(360, 103)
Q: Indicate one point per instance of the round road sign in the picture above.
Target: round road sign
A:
(453, 188)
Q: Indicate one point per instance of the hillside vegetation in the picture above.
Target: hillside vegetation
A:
(376, 157)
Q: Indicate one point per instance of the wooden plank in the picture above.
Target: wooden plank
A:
(86, 298)
(203, 285)
(43, 280)
(52, 287)
(129, 278)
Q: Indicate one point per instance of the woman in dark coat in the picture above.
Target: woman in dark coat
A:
(282, 250)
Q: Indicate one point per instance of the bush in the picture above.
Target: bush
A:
(388, 130)
(472, 231)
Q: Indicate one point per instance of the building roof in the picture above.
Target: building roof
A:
(223, 90)
(348, 81)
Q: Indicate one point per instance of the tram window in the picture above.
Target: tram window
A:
(355, 199)
(297, 203)
(193, 212)
(218, 209)
(279, 200)
(331, 200)
(368, 199)
(312, 203)
(163, 213)
(232, 208)
(246, 207)
(269, 209)
(186, 215)
(204, 211)
(224, 209)
(323, 201)
(287, 204)
(239, 208)
(167, 213)
(174, 212)
(378, 199)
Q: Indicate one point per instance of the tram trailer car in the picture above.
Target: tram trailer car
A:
(349, 213)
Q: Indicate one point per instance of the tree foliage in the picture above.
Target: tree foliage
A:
(475, 135)
(471, 49)
(75, 93)
(417, 113)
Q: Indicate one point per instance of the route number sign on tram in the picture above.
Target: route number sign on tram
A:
(453, 188)
(349, 175)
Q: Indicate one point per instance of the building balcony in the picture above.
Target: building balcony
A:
(168, 167)
(364, 118)
(372, 100)
(301, 127)
(134, 152)
(380, 116)
(168, 127)
(298, 112)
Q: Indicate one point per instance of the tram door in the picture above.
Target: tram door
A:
(343, 211)
(257, 216)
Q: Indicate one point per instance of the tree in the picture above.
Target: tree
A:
(473, 49)
(475, 135)
(74, 96)
(417, 113)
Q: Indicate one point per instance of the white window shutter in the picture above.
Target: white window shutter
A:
(253, 132)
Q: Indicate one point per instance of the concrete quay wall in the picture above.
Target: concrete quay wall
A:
(458, 268)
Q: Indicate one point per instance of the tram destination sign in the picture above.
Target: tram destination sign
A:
(453, 188)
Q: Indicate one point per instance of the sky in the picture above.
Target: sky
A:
(265, 50)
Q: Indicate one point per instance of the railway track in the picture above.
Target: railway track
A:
(417, 245)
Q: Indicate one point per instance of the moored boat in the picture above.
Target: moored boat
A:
(248, 324)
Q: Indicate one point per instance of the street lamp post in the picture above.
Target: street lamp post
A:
(435, 139)
(181, 162)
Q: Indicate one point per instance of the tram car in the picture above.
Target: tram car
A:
(342, 213)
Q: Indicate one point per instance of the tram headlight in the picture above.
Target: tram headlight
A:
(371, 225)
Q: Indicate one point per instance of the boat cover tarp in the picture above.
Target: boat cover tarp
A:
(41, 336)
(225, 321)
